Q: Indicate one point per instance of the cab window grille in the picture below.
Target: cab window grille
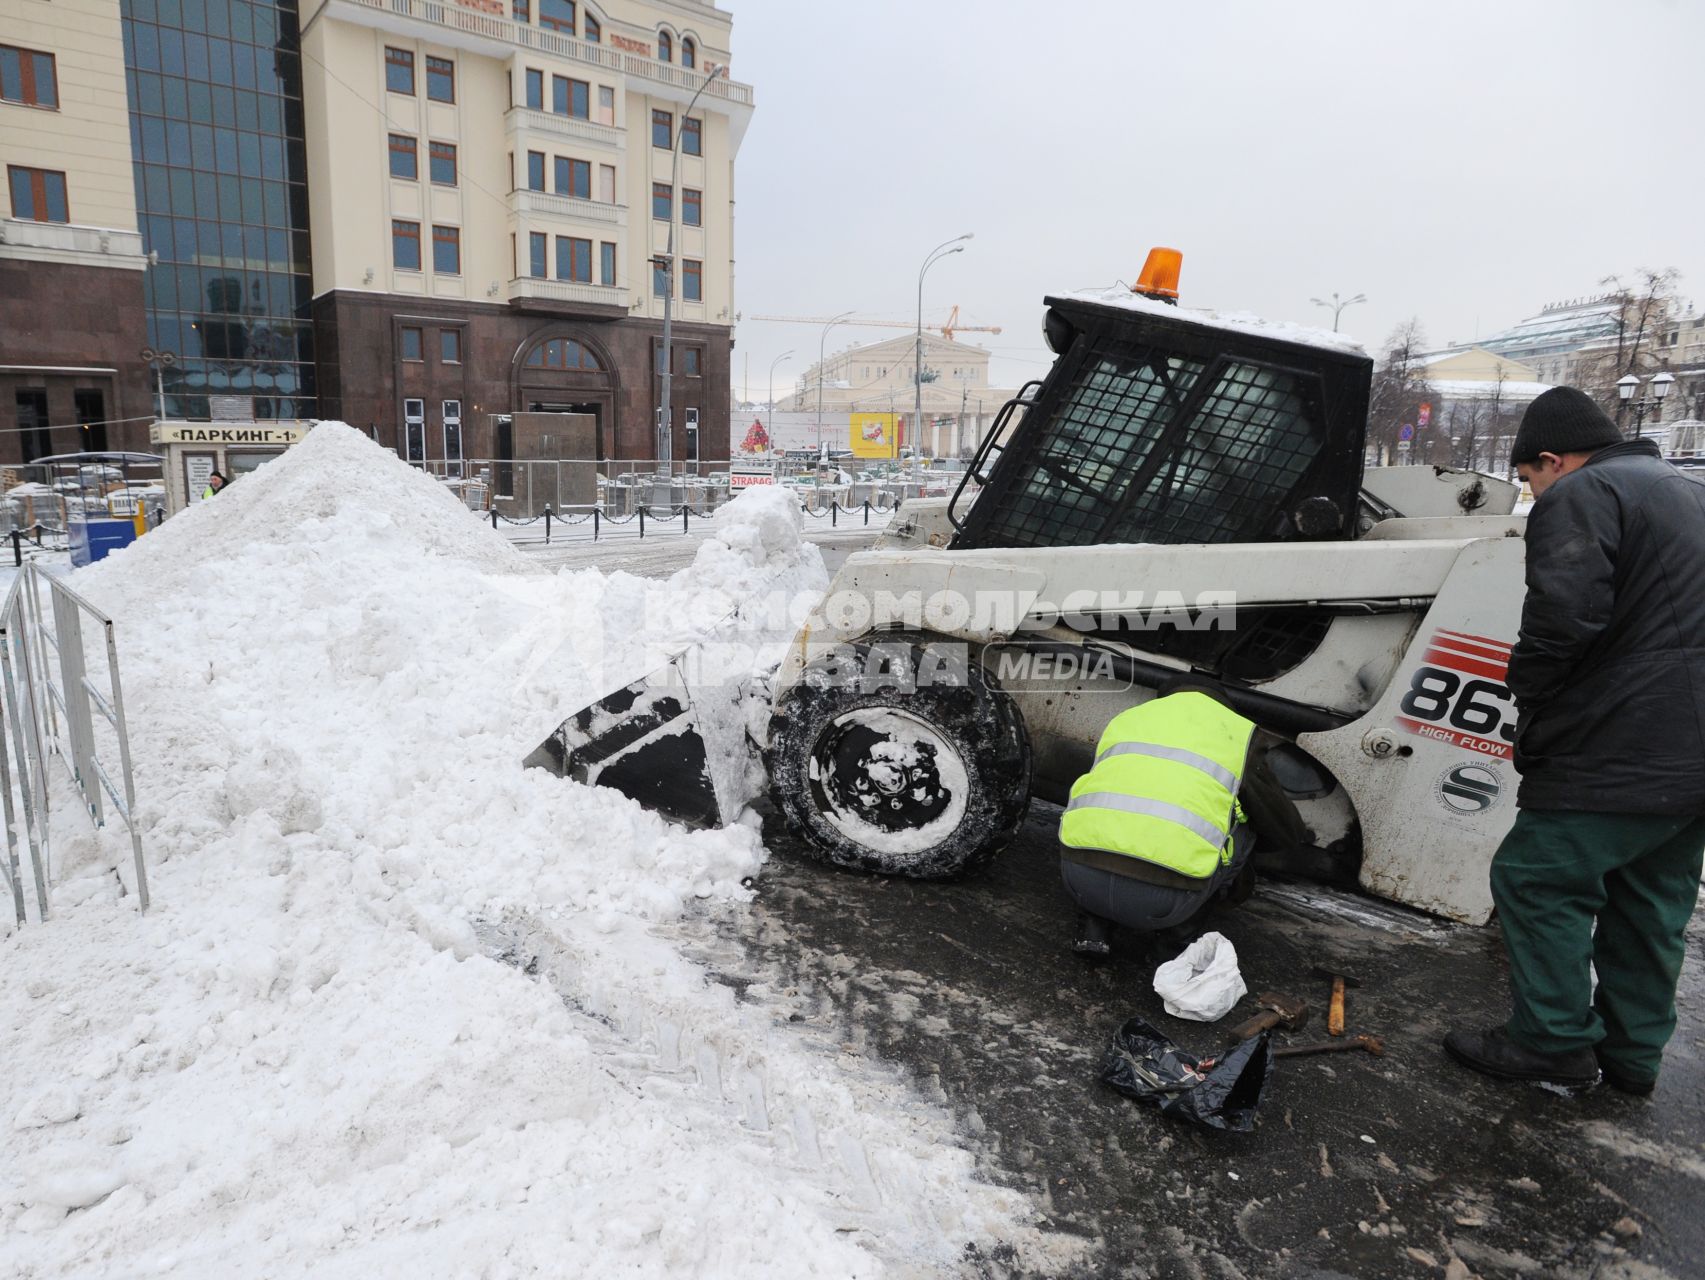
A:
(1115, 412)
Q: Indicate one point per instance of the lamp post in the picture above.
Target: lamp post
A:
(1336, 307)
(773, 363)
(823, 338)
(1629, 384)
(160, 362)
(665, 411)
(955, 245)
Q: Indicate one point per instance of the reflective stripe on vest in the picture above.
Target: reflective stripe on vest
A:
(1151, 809)
(1178, 755)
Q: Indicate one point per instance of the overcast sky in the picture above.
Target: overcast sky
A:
(1459, 162)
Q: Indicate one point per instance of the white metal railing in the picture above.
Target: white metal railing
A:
(567, 291)
(48, 715)
(536, 203)
(549, 122)
(497, 27)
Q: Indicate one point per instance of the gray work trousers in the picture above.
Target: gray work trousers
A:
(1142, 905)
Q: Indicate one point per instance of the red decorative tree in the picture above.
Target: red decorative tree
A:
(757, 439)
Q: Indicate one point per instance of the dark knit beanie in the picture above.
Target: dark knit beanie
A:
(1562, 420)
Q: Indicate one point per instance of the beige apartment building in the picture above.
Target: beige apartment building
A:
(71, 260)
(492, 188)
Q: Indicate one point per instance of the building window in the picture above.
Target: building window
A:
(607, 183)
(573, 178)
(452, 436)
(691, 362)
(593, 31)
(450, 346)
(38, 195)
(557, 15)
(692, 202)
(571, 97)
(665, 47)
(662, 197)
(662, 129)
(535, 171)
(414, 431)
(607, 264)
(562, 353)
(28, 77)
(606, 105)
(692, 280)
(574, 259)
(689, 53)
(659, 279)
(441, 79)
(692, 142)
(447, 251)
(404, 161)
(535, 89)
(523, 11)
(399, 71)
(405, 245)
(442, 160)
(411, 345)
(537, 246)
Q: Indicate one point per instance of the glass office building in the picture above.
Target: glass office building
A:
(215, 90)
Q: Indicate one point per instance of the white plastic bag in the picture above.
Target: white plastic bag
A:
(1202, 983)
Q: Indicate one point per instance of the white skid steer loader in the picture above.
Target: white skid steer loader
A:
(1183, 493)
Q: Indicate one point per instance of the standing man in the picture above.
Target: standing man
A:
(1601, 869)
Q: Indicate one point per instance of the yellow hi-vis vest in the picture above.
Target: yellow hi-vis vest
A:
(1164, 785)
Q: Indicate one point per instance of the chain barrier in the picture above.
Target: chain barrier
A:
(648, 511)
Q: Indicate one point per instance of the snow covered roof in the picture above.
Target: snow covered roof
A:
(1245, 322)
(1475, 389)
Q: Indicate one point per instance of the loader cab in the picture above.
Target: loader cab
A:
(1159, 424)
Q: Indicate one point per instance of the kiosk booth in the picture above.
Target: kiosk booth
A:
(108, 498)
(195, 450)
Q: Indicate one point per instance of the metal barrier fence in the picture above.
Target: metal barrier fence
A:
(45, 715)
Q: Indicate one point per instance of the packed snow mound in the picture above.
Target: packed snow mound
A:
(764, 524)
(307, 1058)
(335, 485)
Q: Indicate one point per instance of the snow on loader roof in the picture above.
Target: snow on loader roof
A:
(1243, 322)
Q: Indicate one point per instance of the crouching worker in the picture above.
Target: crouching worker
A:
(1155, 832)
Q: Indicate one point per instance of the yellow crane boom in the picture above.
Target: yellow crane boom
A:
(947, 329)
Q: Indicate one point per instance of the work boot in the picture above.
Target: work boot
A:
(1091, 941)
(1616, 1078)
(1493, 1053)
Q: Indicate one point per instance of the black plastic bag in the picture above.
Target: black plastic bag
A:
(1221, 1092)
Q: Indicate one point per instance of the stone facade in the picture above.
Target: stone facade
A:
(365, 379)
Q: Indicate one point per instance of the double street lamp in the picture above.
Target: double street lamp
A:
(822, 339)
(1336, 306)
(955, 245)
(1626, 387)
(773, 363)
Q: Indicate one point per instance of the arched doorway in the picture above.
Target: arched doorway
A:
(558, 372)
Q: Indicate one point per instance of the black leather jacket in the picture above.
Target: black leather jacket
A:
(1609, 670)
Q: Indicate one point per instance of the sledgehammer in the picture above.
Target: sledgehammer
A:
(1335, 1011)
(1276, 1011)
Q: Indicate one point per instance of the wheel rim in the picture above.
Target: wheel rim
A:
(888, 780)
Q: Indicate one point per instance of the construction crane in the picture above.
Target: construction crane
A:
(947, 330)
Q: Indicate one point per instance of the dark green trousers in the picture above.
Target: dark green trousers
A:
(1611, 892)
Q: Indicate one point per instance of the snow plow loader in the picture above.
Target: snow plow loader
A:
(1182, 494)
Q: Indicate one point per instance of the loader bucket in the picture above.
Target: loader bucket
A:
(643, 740)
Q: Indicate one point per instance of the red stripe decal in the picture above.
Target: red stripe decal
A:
(1468, 666)
(1485, 640)
(1485, 746)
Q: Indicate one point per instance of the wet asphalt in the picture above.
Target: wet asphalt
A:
(1362, 1167)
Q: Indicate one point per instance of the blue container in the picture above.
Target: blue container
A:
(95, 538)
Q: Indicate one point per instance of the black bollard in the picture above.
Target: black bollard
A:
(17, 548)
(594, 524)
(547, 524)
(642, 522)
(683, 517)
(494, 517)
(867, 511)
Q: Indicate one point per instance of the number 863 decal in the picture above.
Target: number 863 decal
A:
(1459, 696)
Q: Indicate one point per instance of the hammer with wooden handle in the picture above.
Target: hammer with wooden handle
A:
(1276, 1011)
(1335, 1011)
(1373, 1044)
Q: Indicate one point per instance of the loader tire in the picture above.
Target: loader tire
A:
(901, 757)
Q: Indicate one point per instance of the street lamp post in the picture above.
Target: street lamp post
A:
(822, 339)
(160, 361)
(773, 363)
(665, 411)
(955, 245)
(1659, 388)
(1336, 307)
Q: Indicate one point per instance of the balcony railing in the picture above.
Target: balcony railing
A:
(567, 291)
(544, 204)
(72, 238)
(490, 26)
(549, 122)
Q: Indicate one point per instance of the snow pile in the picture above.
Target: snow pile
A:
(1236, 321)
(305, 1059)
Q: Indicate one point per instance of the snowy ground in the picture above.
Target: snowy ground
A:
(401, 1007)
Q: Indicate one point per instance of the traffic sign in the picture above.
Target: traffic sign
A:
(1406, 431)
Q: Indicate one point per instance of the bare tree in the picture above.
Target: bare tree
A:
(1643, 309)
(1399, 388)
